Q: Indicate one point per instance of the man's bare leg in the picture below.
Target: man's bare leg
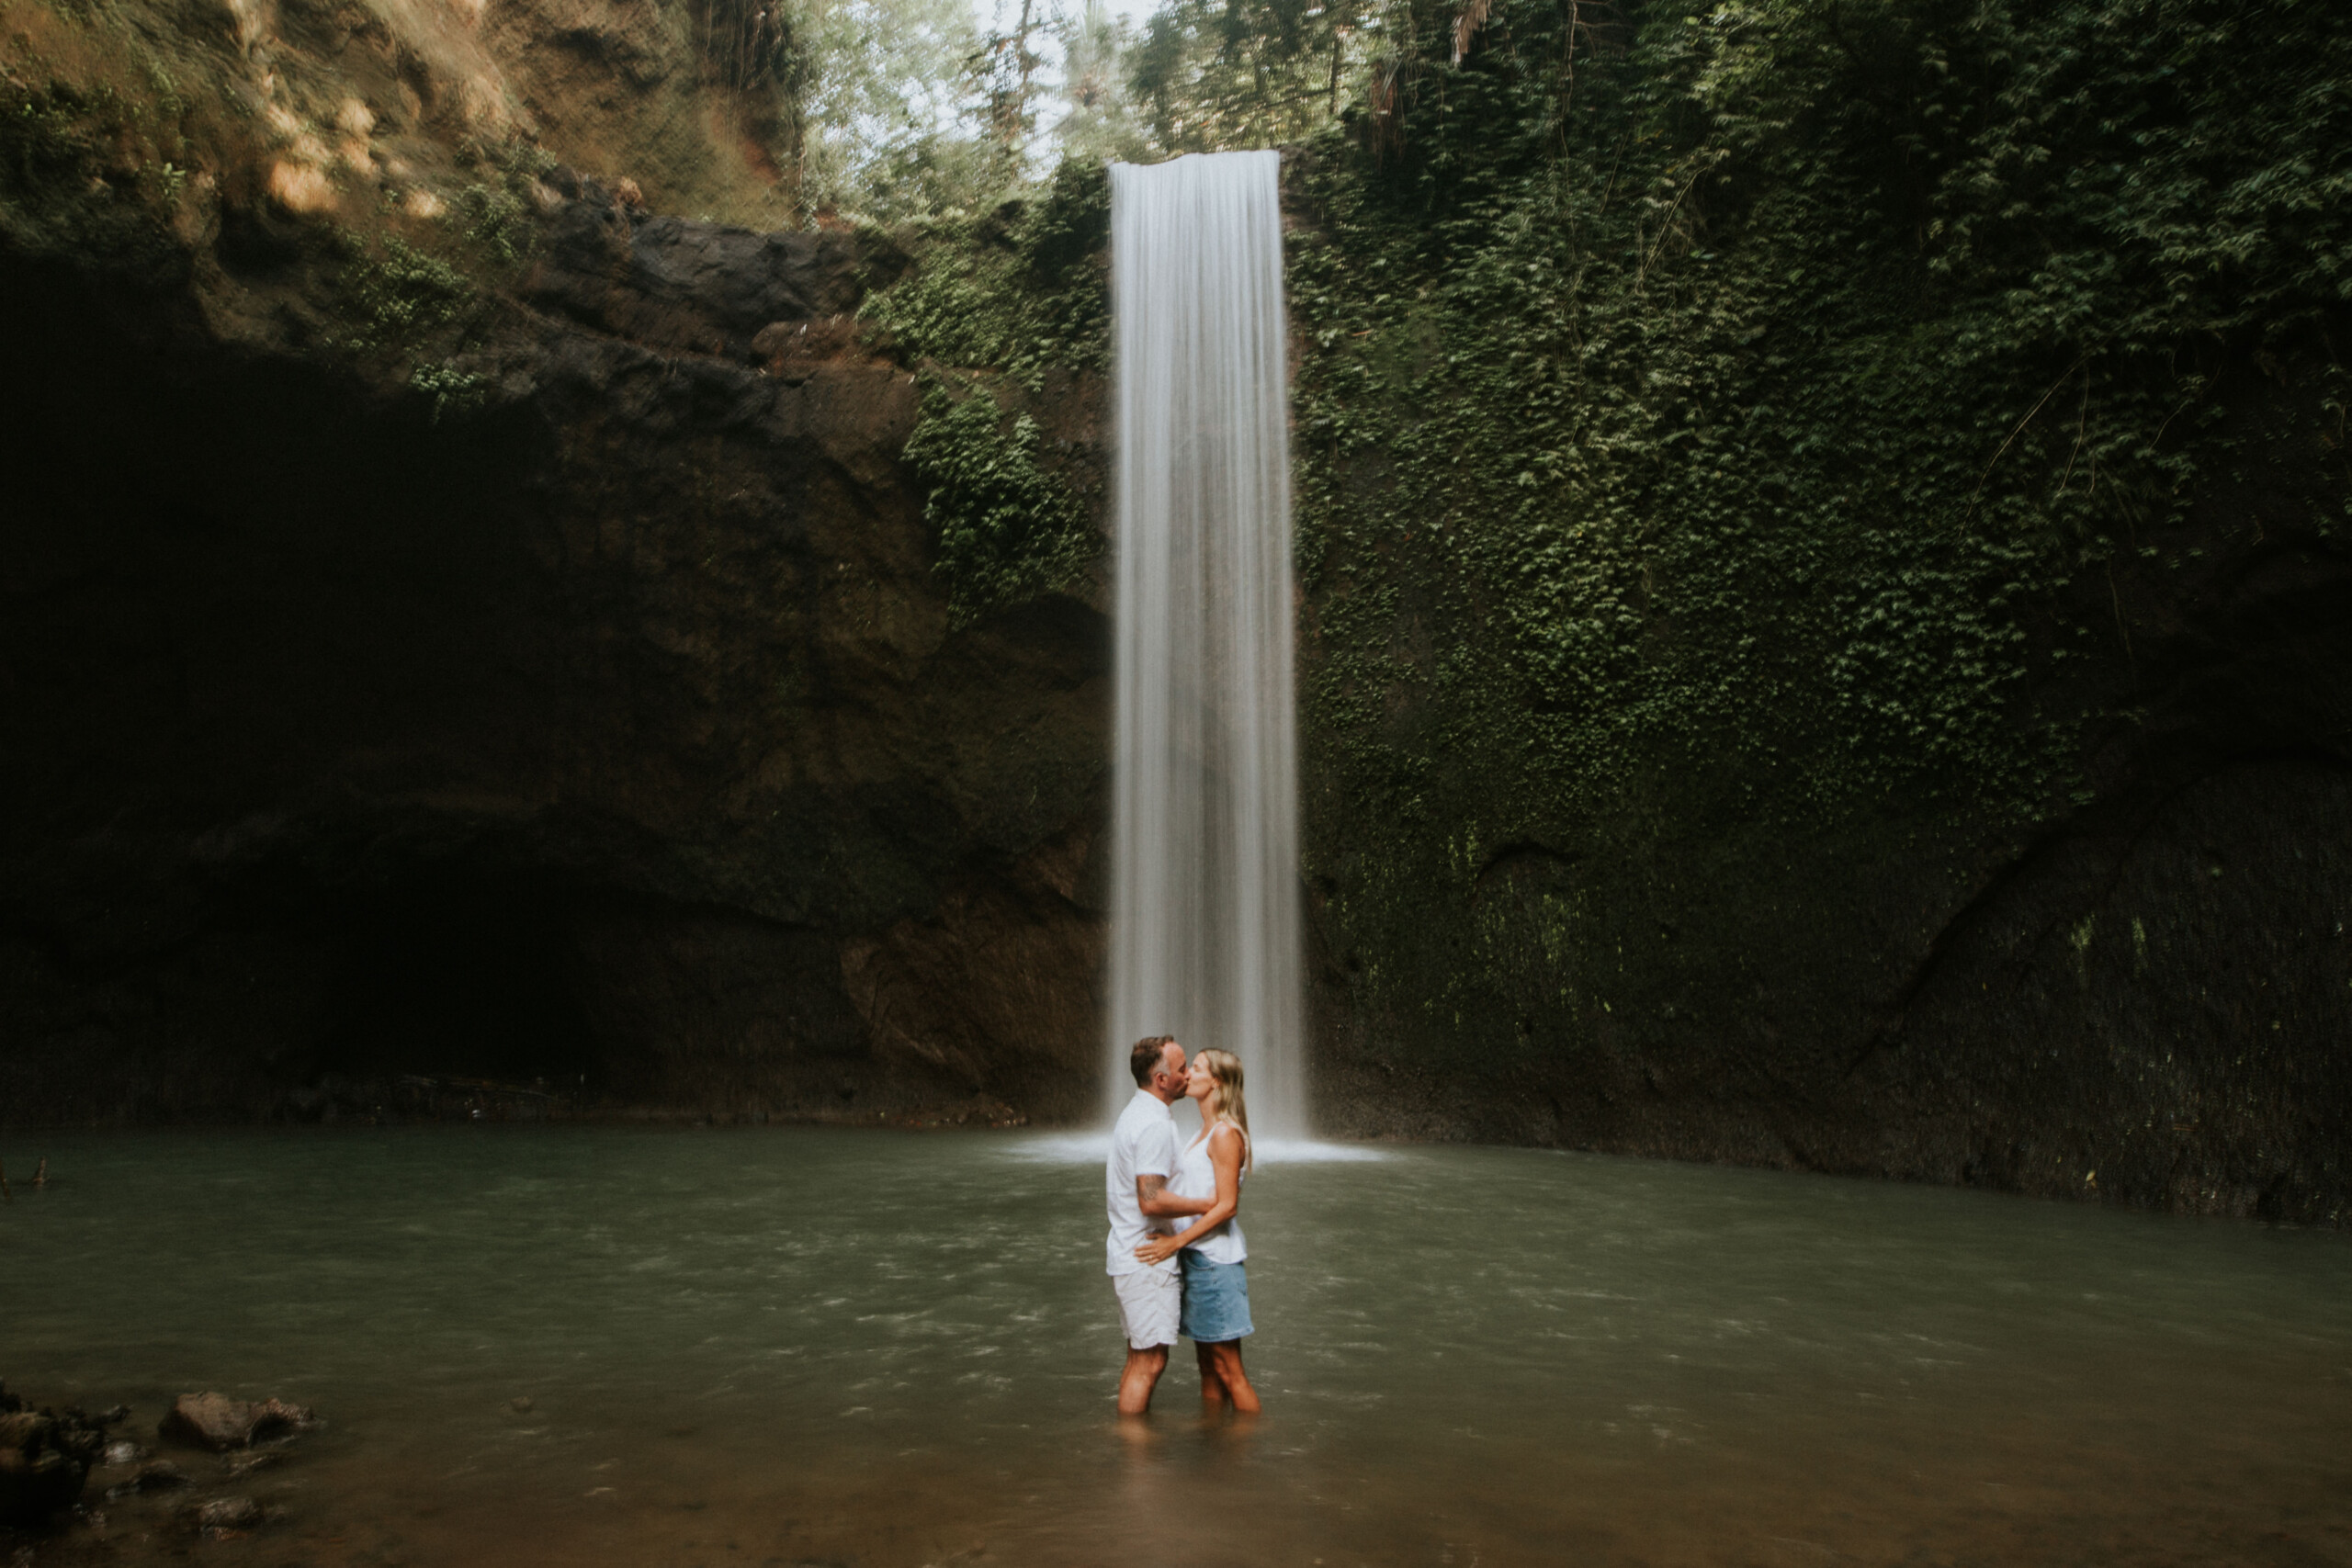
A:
(1135, 1382)
(1214, 1398)
(1236, 1381)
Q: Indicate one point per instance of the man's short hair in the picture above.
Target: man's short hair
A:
(1143, 1060)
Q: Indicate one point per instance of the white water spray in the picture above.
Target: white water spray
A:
(1205, 929)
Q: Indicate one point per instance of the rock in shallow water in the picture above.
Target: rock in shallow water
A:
(220, 1423)
(39, 1476)
(209, 1420)
(225, 1514)
(45, 1457)
(157, 1475)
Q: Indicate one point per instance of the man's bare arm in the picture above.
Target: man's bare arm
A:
(1225, 1157)
(1154, 1198)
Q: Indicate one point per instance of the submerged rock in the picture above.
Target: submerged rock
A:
(279, 1418)
(158, 1476)
(217, 1422)
(224, 1514)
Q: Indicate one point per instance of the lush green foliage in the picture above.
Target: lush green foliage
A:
(907, 109)
(1712, 435)
(406, 303)
(1748, 404)
(1008, 529)
(1101, 121)
(1023, 293)
(890, 99)
(87, 168)
(454, 391)
(1020, 290)
(399, 295)
(1211, 74)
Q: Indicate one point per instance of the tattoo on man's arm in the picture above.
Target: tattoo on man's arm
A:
(1149, 1187)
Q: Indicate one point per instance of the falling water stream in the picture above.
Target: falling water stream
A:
(1204, 926)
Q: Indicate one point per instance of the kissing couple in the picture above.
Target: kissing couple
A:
(1175, 1250)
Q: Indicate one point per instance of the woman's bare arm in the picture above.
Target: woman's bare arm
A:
(1224, 1159)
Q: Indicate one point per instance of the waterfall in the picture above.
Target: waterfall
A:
(1205, 933)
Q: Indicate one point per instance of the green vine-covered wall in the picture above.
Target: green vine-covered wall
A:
(1761, 396)
(1022, 293)
(1704, 451)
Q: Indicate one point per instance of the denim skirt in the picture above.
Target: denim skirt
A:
(1216, 1300)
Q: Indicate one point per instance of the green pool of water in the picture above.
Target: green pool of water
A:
(792, 1347)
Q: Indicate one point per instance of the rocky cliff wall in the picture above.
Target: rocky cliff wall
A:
(603, 731)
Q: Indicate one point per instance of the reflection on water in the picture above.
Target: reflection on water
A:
(796, 1346)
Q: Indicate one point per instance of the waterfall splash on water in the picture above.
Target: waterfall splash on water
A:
(1205, 929)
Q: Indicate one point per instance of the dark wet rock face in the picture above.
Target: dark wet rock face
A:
(609, 746)
(2137, 996)
(45, 1457)
(696, 288)
(39, 1476)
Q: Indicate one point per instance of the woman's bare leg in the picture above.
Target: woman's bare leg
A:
(1236, 1383)
(1213, 1395)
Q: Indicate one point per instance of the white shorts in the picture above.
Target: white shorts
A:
(1150, 1300)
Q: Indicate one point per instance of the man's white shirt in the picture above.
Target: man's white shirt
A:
(1142, 1144)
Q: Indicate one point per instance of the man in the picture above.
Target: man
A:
(1143, 1157)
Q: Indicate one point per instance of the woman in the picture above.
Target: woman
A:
(1216, 1283)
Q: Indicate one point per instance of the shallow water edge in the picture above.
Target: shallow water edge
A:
(594, 1344)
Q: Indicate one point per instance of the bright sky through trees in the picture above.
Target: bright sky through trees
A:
(916, 108)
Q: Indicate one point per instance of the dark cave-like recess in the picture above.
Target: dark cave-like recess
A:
(446, 976)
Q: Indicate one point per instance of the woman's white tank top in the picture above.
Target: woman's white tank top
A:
(1196, 1178)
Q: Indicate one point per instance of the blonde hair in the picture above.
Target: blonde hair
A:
(1225, 1102)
